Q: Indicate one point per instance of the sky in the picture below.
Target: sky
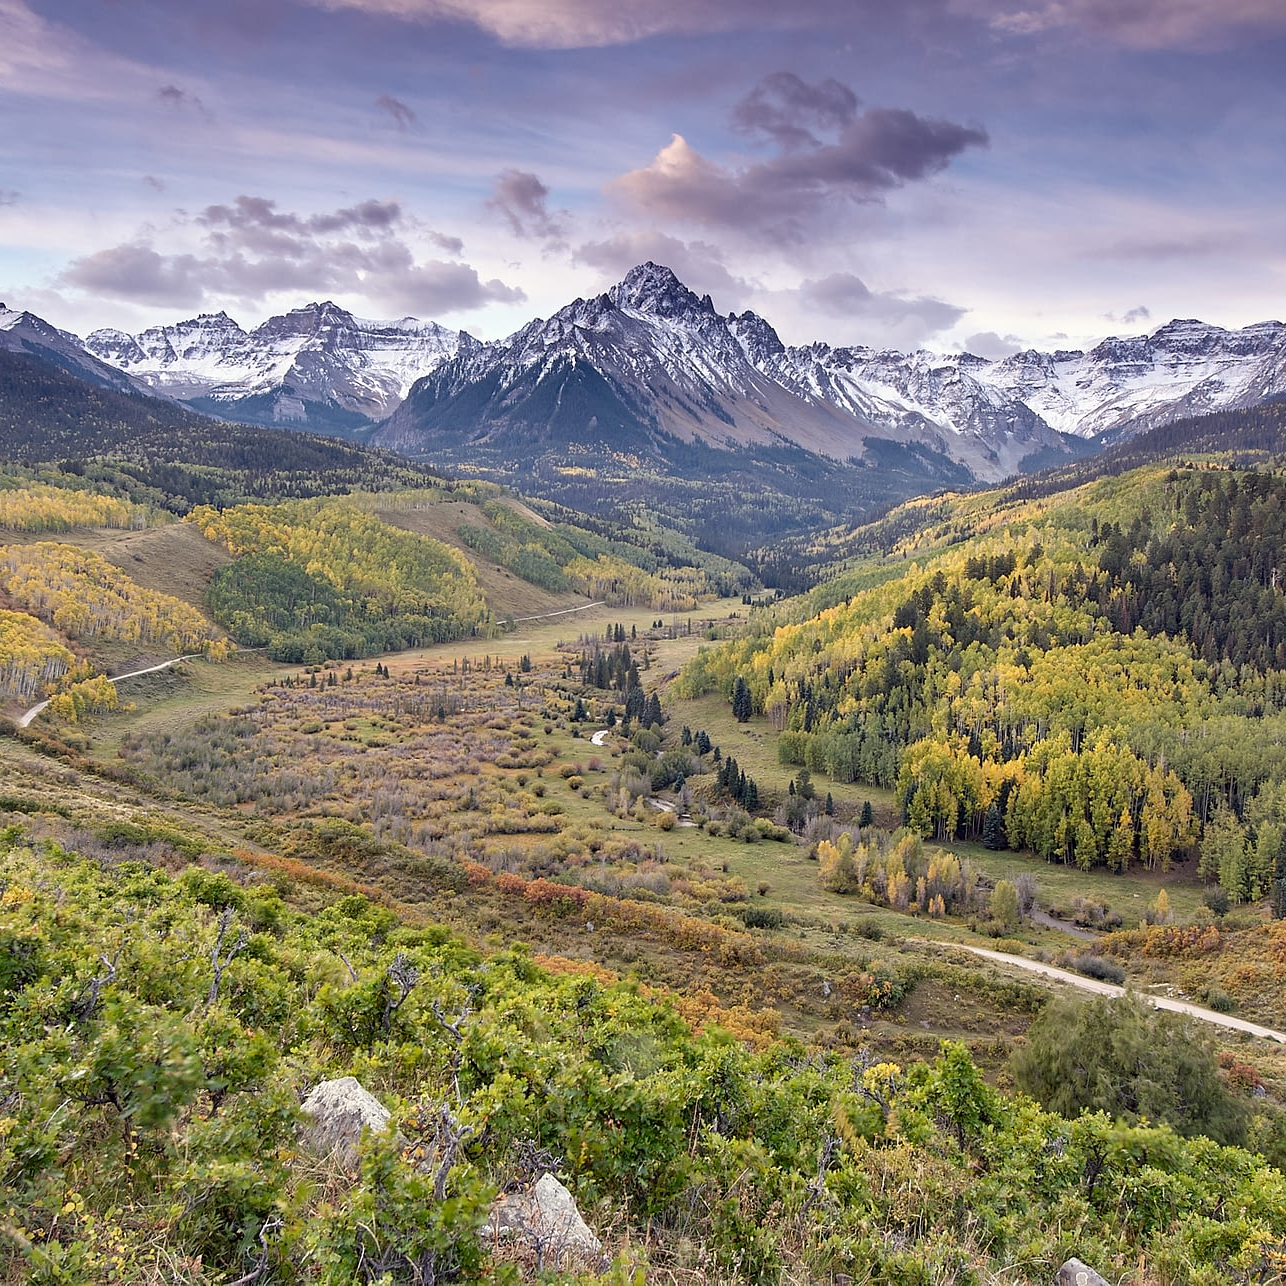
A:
(986, 175)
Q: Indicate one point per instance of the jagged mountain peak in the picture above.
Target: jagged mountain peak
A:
(758, 340)
(655, 289)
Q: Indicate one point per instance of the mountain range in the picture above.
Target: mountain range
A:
(649, 373)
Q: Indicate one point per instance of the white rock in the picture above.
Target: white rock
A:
(340, 1111)
(546, 1218)
(1075, 1273)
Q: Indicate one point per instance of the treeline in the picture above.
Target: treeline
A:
(41, 507)
(326, 580)
(85, 597)
(161, 453)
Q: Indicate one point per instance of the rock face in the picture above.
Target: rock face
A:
(545, 1219)
(1075, 1273)
(340, 1110)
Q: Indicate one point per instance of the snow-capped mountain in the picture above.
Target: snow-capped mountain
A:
(317, 366)
(25, 333)
(1126, 386)
(650, 360)
(651, 369)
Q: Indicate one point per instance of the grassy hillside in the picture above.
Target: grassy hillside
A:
(724, 1029)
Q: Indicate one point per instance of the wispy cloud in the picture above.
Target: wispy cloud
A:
(1141, 24)
(584, 24)
(403, 115)
(523, 200)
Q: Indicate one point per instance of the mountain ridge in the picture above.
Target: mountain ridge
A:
(666, 362)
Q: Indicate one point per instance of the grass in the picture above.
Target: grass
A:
(754, 746)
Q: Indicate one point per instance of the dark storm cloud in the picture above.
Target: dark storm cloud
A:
(870, 153)
(523, 200)
(253, 249)
(180, 100)
(403, 116)
(841, 294)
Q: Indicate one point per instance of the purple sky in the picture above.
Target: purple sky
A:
(942, 173)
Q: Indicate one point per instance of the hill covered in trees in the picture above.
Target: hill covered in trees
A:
(1097, 675)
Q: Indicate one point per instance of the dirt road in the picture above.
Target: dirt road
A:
(1110, 989)
(25, 719)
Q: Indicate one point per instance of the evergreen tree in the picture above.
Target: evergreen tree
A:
(993, 829)
(742, 706)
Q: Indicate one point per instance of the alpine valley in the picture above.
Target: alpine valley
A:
(640, 771)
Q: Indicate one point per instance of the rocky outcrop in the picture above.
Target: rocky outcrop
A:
(1075, 1273)
(339, 1112)
(544, 1220)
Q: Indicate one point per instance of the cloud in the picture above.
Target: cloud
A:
(584, 24)
(986, 343)
(872, 152)
(523, 200)
(9, 196)
(403, 116)
(137, 272)
(179, 100)
(1139, 24)
(1132, 317)
(841, 294)
(452, 245)
(151, 181)
(782, 106)
(250, 249)
(698, 264)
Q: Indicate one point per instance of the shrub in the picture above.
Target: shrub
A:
(1122, 1057)
(1093, 966)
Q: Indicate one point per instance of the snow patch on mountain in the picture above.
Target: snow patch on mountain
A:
(317, 354)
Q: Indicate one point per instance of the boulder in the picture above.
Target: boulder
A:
(546, 1220)
(339, 1111)
(1075, 1273)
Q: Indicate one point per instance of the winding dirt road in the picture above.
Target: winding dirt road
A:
(25, 719)
(1110, 989)
(547, 616)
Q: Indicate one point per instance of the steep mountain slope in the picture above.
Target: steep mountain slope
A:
(48, 414)
(25, 334)
(649, 363)
(314, 367)
(1127, 386)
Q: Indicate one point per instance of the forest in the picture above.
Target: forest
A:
(1097, 677)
